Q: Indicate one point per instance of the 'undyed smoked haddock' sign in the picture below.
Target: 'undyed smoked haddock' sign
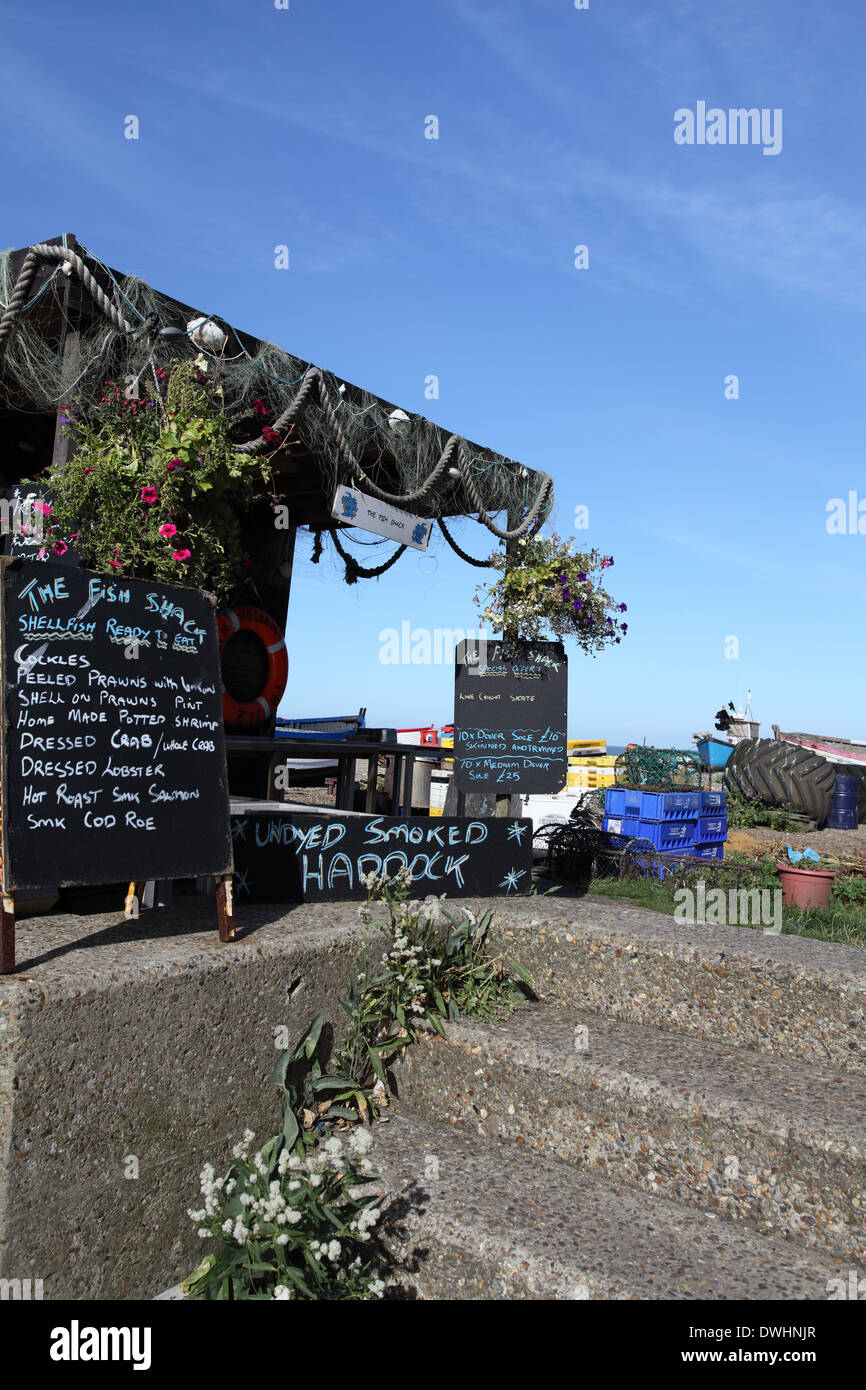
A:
(510, 710)
(295, 857)
(113, 752)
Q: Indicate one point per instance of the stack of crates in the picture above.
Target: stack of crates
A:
(589, 766)
(693, 823)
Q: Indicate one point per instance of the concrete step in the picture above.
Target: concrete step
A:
(742, 1134)
(786, 995)
(475, 1218)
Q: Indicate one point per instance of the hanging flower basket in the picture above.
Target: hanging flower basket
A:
(554, 589)
(155, 486)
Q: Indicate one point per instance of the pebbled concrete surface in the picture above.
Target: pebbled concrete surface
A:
(154, 1042)
(786, 995)
(150, 1042)
(744, 1135)
(498, 1224)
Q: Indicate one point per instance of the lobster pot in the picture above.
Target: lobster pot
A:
(843, 807)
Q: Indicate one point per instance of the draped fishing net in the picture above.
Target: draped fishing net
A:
(658, 769)
(38, 374)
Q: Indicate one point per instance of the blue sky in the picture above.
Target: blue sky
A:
(454, 256)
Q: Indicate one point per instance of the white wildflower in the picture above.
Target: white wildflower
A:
(282, 1292)
(334, 1251)
(361, 1141)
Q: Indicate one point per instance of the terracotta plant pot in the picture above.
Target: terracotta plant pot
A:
(805, 887)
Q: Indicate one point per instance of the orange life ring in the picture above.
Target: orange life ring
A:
(245, 618)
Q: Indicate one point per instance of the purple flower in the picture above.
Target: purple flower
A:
(624, 627)
(581, 575)
(622, 608)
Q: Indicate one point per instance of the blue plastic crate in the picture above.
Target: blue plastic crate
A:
(663, 834)
(712, 851)
(670, 863)
(651, 806)
(711, 830)
(713, 803)
(621, 832)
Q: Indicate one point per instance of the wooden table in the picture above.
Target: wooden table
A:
(345, 753)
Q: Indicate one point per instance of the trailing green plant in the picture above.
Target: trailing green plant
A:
(294, 1218)
(155, 487)
(435, 967)
(547, 586)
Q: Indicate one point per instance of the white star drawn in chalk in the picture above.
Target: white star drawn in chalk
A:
(510, 879)
(515, 830)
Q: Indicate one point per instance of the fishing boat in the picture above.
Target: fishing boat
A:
(835, 750)
(713, 752)
(735, 724)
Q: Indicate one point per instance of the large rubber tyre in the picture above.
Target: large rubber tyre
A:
(785, 775)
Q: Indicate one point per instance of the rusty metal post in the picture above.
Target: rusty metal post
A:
(7, 935)
(225, 908)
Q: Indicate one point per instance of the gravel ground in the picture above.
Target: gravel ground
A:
(843, 844)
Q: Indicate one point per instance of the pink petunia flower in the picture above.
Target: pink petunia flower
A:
(42, 507)
(149, 495)
(166, 529)
(88, 470)
(60, 547)
(175, 463)
(181, 554)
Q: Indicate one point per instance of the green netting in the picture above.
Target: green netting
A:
(658, 769)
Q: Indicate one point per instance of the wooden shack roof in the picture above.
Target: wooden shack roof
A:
(306, 485)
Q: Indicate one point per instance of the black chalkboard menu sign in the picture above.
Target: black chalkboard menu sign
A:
(113, 763)
(510, 717)
(24, 526)
(298, 857)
